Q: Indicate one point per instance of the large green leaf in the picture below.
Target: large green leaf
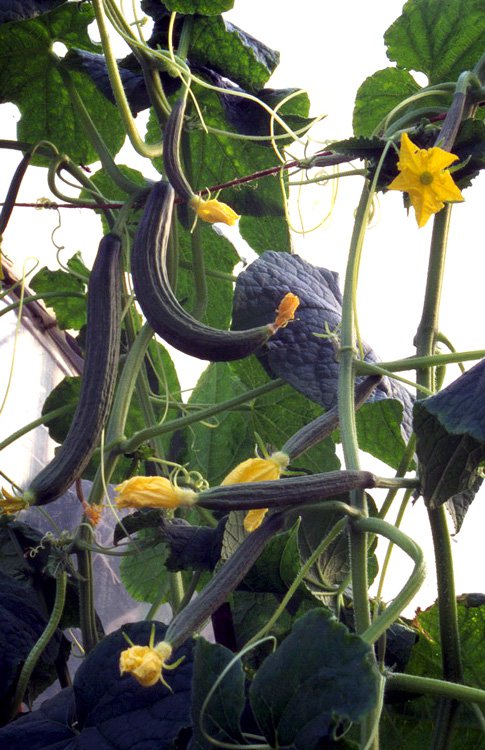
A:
(319, 674)
(222, 714)
(143, 571)
(438, 37)
(202, 7)
(410, 725)
(231, 52)
(30, 77)
(217, 446)
(378, 95)
(70, 311)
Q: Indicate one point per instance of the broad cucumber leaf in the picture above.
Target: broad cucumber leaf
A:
(70, 311)
(222, 715)
(13, 10)
(31, 78)
(202, 7)
(143, 572)
(450, 432)
(379, 430)
(232, 52)
(441, 38)
(22, 621)
(218, 445)
(378, 95)
(409, 725)
(252, 610)
(319, 674)
(112, 711)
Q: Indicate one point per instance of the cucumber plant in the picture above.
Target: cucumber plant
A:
(240, 512)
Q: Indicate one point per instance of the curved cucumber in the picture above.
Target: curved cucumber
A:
(159, 304)
(98, 380)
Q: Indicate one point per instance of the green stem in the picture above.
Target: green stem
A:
(348, 430)
(87, 614)
(333, 534)
(411, 587)
(449, 632)
(146, 150)
(41, 643)
(34, 297)
(421, 362)
(128, 446)
(199, 275)
(430, 686)
(44, 419)
(119, 412)
(94, 135)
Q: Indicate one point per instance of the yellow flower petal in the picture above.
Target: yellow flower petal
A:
(286, 310)
(422, 177)
(152, 492)
(257, 470)
(214, 211)
(146, 663)
(10, 504)
(254, 518)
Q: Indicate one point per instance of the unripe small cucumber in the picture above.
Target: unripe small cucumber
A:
(103, 330)
(157, 301)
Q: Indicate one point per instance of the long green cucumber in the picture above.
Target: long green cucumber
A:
(157, 301)
(98, 381)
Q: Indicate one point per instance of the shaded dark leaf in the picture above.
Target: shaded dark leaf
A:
(320, 674)
(22, 621)
(48, 728)
(450, 430)
(307, 361)
(470, 147)
(21, 10)
(222, 714)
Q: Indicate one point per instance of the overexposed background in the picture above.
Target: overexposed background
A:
(327, 49)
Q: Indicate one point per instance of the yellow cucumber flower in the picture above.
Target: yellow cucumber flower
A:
(257, 470)
(213, 211)
(152, 492)
(423, 177)
(10, 504)
(146, 663)
(286, 310)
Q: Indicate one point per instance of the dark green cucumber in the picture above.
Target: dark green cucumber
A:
(172, 135)
(98, 380)
(157, 301)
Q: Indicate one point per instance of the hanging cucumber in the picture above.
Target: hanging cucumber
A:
(98, 380)
(158, 303)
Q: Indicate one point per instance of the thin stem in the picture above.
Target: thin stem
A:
(87, 615)
(430, 686)
(107, 161)
(128, 446)
(144, 149)
(41, 643)
(421, 362)
(44, 419)
(449, 632)
(411, 587)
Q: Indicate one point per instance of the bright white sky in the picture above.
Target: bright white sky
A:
(327, 49)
